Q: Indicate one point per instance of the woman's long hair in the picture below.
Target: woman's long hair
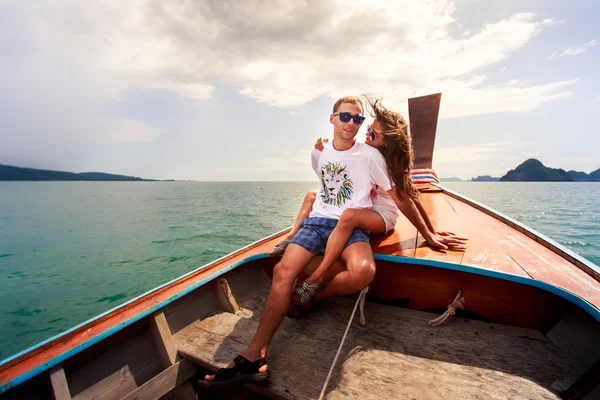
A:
(398, 151)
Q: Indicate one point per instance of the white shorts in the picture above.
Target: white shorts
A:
(390, 217)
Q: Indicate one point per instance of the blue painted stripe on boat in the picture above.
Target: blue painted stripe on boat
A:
(559, 246)
(565, 294)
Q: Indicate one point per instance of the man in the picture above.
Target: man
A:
(348, 171)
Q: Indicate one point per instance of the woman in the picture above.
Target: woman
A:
(389, 134)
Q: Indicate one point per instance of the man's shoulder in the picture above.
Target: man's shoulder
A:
(369, 151)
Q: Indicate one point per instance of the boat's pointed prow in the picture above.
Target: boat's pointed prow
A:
(423, 113)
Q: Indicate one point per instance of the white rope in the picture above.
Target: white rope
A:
(459, 302)
(359, 302)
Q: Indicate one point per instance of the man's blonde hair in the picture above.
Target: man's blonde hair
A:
(349, 99)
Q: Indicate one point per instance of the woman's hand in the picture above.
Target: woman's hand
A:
(444, 233)
(450, 240)
(319, 145)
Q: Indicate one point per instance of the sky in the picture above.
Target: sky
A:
(238, 90)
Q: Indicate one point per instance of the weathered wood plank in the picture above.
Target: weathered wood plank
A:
(223, 293)
(396, 355)
(167, 351)
(535, 258)
(128, 383)
(483, 247)
(60, 386)
(423, 115)
(161, 335)
(117, 369)
(164, 382)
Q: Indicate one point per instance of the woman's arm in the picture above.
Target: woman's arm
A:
(410, 210)
(423, 213)
(428, 222)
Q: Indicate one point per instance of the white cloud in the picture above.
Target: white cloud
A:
(286, 53)
(124, 130)
(467, 161)
(573, 51)
(594, 100)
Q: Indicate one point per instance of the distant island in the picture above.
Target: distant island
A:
(533, 170)
(10, 173)
(485, 178)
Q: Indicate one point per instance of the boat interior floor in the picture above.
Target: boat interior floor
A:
(395, 355)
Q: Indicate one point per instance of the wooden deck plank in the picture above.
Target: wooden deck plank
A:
(396, 355)
(537, 260)
(483, 247)
(163, 383)
(115, 369)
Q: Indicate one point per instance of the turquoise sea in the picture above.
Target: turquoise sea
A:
(71, 250)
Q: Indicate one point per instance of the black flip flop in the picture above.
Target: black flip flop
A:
(244, 371)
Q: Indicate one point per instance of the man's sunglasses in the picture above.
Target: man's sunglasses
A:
(346, 117)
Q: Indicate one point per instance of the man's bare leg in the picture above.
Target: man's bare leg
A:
(358, 275)
(293, 261)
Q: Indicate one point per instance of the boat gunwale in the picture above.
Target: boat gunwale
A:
(563, 293)
(41, 347)
(589, 267)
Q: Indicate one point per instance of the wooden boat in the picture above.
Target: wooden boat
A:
(530, 328)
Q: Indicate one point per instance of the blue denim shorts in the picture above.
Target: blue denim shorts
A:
(314, 232)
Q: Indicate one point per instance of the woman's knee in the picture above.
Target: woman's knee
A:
(349, 217)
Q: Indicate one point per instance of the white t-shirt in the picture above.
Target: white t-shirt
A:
(347, 178)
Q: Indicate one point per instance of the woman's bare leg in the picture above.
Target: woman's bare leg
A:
(349, 220)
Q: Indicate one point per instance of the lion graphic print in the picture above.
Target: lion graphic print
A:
(336, 185)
